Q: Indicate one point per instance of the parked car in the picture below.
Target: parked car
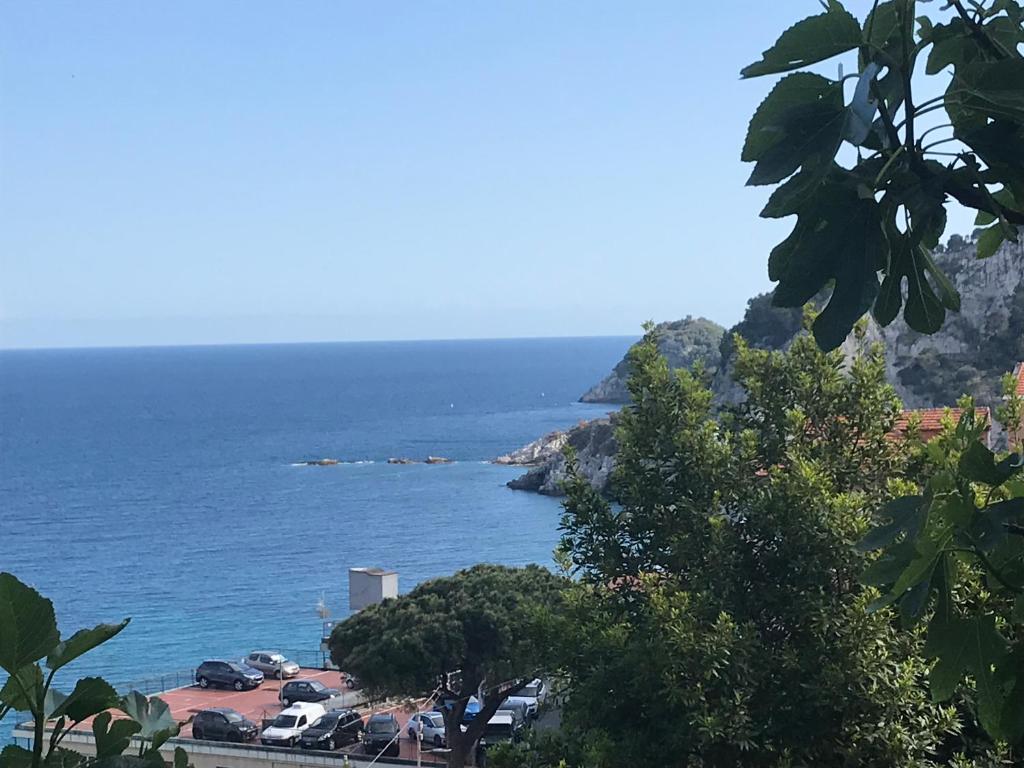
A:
(287, 728)
(228, 674)
(519, 710)
(381, 734)
(471, 711)
(272, 664)
(223, 724)
(430, 725)
(535, 689)
(501, 727)
(306, 690)
(335, 729)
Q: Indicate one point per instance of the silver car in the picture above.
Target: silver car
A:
(272, 664)
(430, 725)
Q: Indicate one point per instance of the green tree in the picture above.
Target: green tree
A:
(868, 216)
(479, 632)
(953, 560)
(28, 636)
(720, 620)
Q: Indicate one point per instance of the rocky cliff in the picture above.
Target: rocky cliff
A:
(968, 355)
(683, 343)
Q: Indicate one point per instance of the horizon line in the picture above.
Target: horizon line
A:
(213, 344)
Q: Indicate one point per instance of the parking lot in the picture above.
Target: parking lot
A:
(261, 704)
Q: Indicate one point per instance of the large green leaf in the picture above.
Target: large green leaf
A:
(767, 125)
(810, 136)
(14, 756)
(978, 464)
(28, 627)
(90, 696)
(991, 88)
(113, 736)
(152, 713)
(902, 513)
(814, 39)
(82, 641)
(21, 690)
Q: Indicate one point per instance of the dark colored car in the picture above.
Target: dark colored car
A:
(223, 724)
(381, 734)
(228, 674)
(335, 729)
(307, 690)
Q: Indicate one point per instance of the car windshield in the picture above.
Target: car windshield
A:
(316, 685)
(236, 667)
(284, 721)
(435, 720)
(327, 721)
(530, 690)
(277, 658)
(380, 726)
(233, 717)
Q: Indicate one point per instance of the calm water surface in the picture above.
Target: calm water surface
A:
(159, 483)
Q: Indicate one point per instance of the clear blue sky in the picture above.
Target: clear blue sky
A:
(201, 172)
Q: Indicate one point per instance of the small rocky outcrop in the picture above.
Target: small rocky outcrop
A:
(537, 452)
(594, 444)
(437, 460)
(683, 343)
(321, 462)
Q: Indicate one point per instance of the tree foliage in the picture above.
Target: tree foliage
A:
(31, 643)
(485, 624)
(867, 216)
(952, 557)
(720, 621)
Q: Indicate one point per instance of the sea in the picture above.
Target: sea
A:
(165, 484)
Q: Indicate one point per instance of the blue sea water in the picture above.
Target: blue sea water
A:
(159, 483)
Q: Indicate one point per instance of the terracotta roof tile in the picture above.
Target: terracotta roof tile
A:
(1018, 373)
(931, 419)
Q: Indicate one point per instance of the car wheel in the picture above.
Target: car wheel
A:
(350, 683)
(437, 740)
(204, 683)
(286, 702)
(239, 685)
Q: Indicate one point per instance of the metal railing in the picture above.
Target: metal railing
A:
(308, 659)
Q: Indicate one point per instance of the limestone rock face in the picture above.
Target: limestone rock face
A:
(682, 343)
(968, 355)
(537, 452)
(594, 443)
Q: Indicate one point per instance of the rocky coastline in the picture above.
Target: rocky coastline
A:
(926, 371)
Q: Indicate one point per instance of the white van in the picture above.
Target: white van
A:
(288, 726)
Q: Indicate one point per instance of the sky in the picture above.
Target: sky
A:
(197, 172)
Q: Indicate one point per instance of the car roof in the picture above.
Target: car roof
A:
(268, 653)
(222, 710)
(500, 718)
(302, 706)
(382, 716)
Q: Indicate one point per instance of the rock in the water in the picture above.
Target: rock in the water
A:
(537, 452)
(437, 460)
(321, 462)
(594, 443)
(402, 460)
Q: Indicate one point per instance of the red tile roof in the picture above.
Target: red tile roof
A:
(1018, 373)
(930, 419)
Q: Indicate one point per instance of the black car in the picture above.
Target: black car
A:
(306, 690)
(335, 729)
(223, 724)
(228, 674)
(381, 734)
